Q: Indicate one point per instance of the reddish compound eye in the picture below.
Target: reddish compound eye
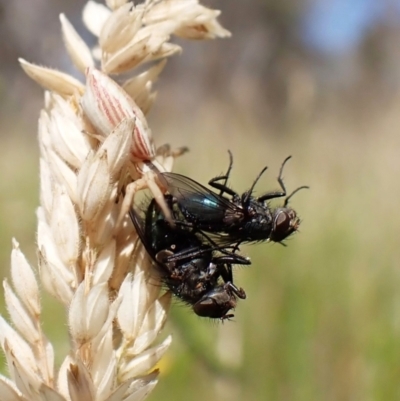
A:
(218, 302)
(285, 223)
(215, 304)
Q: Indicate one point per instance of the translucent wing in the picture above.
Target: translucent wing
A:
(138, 217)
(199, 203)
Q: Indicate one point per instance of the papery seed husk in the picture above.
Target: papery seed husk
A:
(80, 384)
(104, 264)
(145, 361)
(195, 21)
(47, 246)
(9, 391)
(114, 4)
(62, 379)
(68, 140)
(136, 85)
(102, 231)
(103, 357)
(94, 186)
(97, 310)
(118, 144)
(97, 53)
(165, 50)
(112, 313)
(208, 30)
(108, 383)
(65, 227)
(24, 280)
(142, 342)
(46, 361)
(11, 340)
(77, 315)
(47, 393)
(66, 107)
(88, 312)
(76, 46)
(22, 377)
(19, 315)
(153, 323)
(142, 393)
(127, 316)
(146, 100)
(126, 58)
(122, 261)
(45, 140)
(108, 380)
(52, 80)
(135, 303)
(64, 175)
(46, 187)
(148, 44)
(166, 10)
(55, 284)
(159, 32)
(120, 28)
(143, 381)
(94, 16)
(120, 392)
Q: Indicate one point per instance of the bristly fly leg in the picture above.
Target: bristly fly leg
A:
(223, 186)
(276, 194)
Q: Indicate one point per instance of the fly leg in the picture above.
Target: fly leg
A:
(227, 276)
(276, 194)
(279, 194)
(231, 258)
(190, 253)
(195, 252)
(230, 288)
(223, 186)
(296, 190)
(247, 195)
(239, 292)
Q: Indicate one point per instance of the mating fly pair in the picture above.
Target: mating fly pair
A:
(195, 251)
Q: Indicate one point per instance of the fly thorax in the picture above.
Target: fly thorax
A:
(232, 218)
(259, 222)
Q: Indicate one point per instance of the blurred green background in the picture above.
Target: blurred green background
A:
(319, 80)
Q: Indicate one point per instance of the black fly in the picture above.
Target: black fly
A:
(194, 270)
(235, 218)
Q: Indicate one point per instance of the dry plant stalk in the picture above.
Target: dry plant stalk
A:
(93, 140)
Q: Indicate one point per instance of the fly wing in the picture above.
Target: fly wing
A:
(138, 217)
(198, 200)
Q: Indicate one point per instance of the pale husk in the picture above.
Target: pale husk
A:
(93, 140)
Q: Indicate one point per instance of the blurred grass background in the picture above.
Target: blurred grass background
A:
(322, 318)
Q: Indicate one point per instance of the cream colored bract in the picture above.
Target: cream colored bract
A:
(93, 139)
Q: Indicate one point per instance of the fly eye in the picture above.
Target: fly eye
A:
(282, 222)
(207, 307)
(215, 304)
(284, 225)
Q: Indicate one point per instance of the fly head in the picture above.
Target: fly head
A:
(216, 304)
(285, 222)
(219, 301)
